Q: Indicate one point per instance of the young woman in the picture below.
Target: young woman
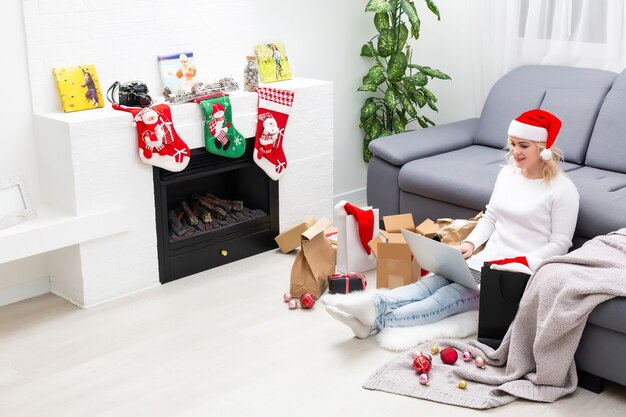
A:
(531, 216)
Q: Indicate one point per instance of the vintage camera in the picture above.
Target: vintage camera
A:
(132, 94)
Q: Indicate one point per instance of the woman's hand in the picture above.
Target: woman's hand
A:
(467, 249)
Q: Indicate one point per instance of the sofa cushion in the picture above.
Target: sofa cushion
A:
(499, 109)
(464, 177)
(602, 201)
(573, 94)
(605, 314)
(577, 108)
(607, 147)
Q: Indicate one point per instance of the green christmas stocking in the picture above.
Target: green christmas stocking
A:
(220, 136)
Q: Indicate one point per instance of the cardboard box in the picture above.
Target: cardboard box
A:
(290, 239)
(395, 264)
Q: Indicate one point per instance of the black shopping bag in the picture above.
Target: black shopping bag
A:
(500, 294)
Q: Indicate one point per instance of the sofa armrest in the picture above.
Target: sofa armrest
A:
(401, 148)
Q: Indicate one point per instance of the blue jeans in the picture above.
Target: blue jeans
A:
(425, 301)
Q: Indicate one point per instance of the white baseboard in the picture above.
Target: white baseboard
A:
(24, 290)
(353, 196)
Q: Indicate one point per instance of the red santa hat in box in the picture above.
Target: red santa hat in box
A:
(539, 126)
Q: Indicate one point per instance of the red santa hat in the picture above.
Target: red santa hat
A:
(539, 126)
(365, 222)
(217, 107)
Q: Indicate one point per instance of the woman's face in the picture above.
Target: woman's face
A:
(525, 153)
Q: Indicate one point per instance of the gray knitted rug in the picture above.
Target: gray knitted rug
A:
(536, 358)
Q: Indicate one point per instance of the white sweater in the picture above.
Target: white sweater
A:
(525, 217)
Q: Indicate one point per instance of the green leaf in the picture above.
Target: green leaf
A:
(421, 122)
(378, 6)
(434, 73)
(381, 21)
(396, 67)
(402, 89)
(419, 98)
(433, 8)
(432, 106)
(429, 95)
(402, 34)
(408, 106)
(373, 127)
(375, 75)
(427, 120)
(390, 99)
(398, 126)
(402, 116)
(368, 87)
(386, 42)
(409, 9)
(368, 109)
(418, 79)
(368, 50)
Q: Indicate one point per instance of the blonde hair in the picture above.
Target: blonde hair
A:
(550, 168)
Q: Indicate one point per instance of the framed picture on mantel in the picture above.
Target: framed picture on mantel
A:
(15, 205)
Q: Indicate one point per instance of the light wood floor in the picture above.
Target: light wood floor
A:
(220, 343)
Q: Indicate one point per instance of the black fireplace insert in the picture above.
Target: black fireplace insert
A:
(218, 210)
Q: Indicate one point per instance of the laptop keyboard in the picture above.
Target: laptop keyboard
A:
(475, 275)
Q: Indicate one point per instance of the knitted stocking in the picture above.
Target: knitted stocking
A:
(274, 108)
(159, 144)
(220, 136)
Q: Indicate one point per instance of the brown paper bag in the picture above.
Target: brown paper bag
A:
(314, 262)
(453, 232)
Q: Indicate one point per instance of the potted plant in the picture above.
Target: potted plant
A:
(399, 85)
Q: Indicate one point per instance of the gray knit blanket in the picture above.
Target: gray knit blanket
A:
(536, 358)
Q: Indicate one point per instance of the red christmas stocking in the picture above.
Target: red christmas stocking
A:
(274, 108)
(159, 144)
(365, 220)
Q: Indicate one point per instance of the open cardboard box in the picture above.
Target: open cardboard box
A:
(290, 239)
(395, 265)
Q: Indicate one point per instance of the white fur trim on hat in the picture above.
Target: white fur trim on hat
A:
(546, 154)
(526, 131)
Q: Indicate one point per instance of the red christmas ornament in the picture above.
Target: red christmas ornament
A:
(422, 364)
(449, 356)
(307, 300)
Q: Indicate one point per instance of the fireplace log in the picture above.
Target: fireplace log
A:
(215, 211)
(234, 205)
(175, 224)
(191, 218)
(202, 213)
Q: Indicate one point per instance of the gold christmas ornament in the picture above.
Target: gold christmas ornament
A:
(462, 384)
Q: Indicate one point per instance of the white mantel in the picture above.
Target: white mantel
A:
(98, 214)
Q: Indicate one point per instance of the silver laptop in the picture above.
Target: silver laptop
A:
(441, 259)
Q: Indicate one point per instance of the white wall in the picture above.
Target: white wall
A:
(323, 39)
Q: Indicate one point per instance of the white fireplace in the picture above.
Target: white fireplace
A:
(97, 216)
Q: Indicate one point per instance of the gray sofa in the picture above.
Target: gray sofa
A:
(449, 171)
